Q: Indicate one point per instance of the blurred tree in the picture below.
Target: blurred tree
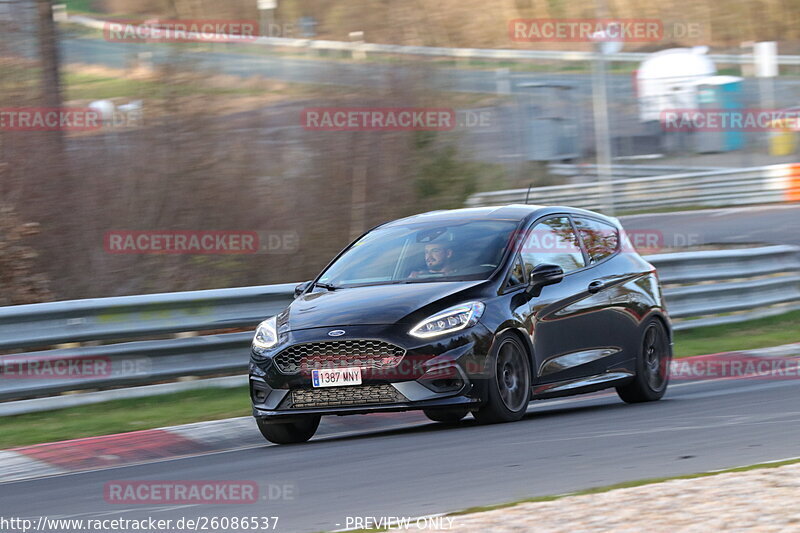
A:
(48, 53)
(444, 180)
(52, 142)
(19, 282)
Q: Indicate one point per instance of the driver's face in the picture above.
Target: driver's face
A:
(436, 256)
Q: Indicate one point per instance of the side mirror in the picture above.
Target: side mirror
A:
(545, 274)
(301, 288)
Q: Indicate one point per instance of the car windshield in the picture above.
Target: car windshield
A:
(456, 251)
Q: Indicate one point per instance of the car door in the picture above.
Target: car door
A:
(567, 321)
(620, 275)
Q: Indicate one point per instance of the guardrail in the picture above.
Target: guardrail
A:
(360, 48)
(125, 317)
(721, 286)
(768, 184)
(696, 284)
(685, 268)
(624, 171)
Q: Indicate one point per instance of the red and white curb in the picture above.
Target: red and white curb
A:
(93, 453)
(96, 453)
(15, 465)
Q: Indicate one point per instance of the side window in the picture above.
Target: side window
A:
(599, 238)
(517, 275)
(553, 241)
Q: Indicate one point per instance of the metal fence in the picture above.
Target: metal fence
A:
(361, 49)
(701, 288)
(546, 113)
(768, 184)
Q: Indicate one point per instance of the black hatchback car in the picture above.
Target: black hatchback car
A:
(471, 310)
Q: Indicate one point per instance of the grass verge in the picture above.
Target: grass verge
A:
(759, 333)
(119, 416)
(81, 6)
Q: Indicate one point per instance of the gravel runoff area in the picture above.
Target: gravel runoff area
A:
(760, 500)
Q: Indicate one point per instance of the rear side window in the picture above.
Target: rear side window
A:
(553, 241)
(600, 239)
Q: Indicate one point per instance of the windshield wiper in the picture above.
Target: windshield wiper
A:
(328, 286)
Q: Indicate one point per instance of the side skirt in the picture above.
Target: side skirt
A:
(581, 385)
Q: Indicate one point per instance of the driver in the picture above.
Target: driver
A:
(438, 259)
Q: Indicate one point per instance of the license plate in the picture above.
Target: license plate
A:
(336, 377)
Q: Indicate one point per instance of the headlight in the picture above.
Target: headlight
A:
(266, 335)
(450, 320)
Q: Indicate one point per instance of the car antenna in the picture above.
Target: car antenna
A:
(527, 195)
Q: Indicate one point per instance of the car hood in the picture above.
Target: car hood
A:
(377, 304)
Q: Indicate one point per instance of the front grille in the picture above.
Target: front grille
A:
(338, 354)
(345, 396)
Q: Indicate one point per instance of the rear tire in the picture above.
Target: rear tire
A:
(446, 416)
(652, 366)
(289, 432)
(509, 385)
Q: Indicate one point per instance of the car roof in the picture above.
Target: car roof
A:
(512, 212)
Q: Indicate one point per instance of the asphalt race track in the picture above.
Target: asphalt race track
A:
(425, 468)
(776, 224)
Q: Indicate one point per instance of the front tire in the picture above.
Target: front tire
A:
(289, 432)
(652, 366)
(509, 386)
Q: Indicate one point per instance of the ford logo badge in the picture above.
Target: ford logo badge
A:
(336, 332)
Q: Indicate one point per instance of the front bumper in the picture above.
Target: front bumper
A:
(440, 372)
